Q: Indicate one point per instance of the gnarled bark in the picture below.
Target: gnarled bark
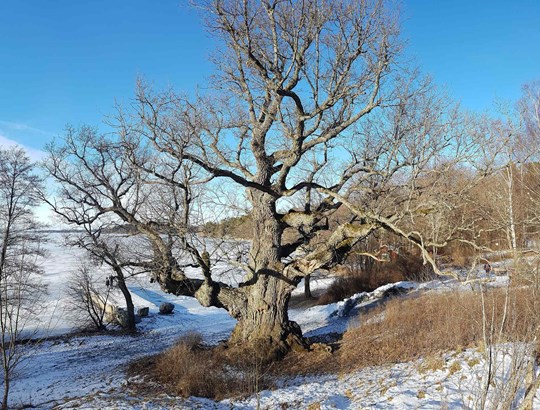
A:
(265, 323)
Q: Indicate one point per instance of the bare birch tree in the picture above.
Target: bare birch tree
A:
(511, 193)
(19, 249)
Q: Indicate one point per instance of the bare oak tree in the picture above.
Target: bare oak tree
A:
(310, 104)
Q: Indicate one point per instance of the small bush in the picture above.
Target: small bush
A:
(192, 340)
(431, 363)
(190, 369)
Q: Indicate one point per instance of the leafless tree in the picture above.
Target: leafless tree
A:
(311, 101)
(97, 180)
(111, 252)
(19, 249)
(89, 301)
(529, 109)
(511, 194)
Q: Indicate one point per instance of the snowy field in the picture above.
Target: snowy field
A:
(88, 372)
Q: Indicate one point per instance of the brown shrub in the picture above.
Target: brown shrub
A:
(190, 369)
(365, 275)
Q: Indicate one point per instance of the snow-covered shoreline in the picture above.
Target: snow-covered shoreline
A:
(88, 372)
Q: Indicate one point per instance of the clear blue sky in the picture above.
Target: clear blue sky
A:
(66, 61)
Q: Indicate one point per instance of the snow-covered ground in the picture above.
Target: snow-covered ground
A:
(88, 372)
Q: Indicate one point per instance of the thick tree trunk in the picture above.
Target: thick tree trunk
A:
(265, 325)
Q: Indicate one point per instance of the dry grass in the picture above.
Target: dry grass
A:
(188, 370)
(413, 328)
(431, 324)
(407, 329)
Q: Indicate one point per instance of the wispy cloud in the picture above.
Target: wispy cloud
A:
(34, 154)
(15, 126)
